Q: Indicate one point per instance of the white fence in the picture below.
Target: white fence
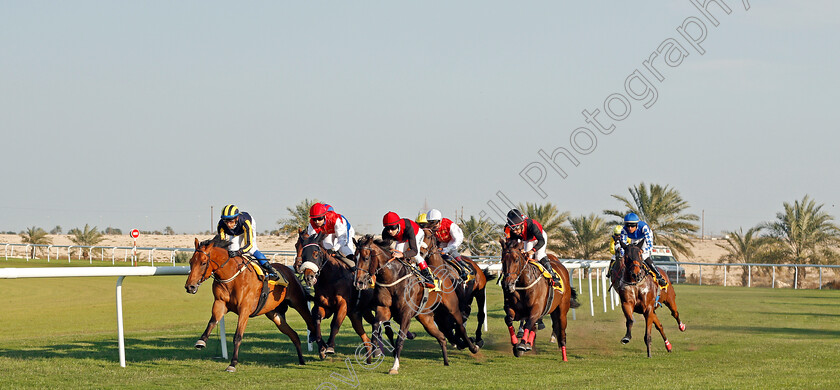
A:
(129, 254)
(121, 272)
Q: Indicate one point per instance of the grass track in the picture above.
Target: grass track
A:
(736, 338)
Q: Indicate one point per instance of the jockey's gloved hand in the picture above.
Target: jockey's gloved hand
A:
(234, 253)
(351, 256)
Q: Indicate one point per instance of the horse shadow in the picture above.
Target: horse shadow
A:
(271, 350)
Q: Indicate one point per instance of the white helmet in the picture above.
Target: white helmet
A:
(433, 215)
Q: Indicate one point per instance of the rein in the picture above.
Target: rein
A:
(218, 267)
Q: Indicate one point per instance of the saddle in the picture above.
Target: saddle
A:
(268, 285)
(547, 275)
(462, 269)
(416, 272)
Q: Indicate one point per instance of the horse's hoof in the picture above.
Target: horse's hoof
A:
(231, 369)
(200, 344)
(516, 352)
(479, 343)
(409, 336)
(527, 347)
(393, 372)
(553, 339)
(329, 351)
(522, 347)
(625, 340)
(377, 353)
(682, 327)
(322, 354)
(474, 349)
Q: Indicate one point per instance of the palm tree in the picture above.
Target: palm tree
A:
(480, 236)
(663, 209)
(588, 238)
(805, 231)
(86, 237)
(744, 247)
(552, 221)
(35, 236)
(299, 217)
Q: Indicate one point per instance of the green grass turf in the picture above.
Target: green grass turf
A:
(61, 333)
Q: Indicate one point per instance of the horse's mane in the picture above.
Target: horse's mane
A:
(217, 241)
(383, 243)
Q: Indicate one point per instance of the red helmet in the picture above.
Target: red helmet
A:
(390, 218)
(317, 210)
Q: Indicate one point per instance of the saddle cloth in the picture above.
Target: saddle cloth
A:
(547, 275)
(282, 281)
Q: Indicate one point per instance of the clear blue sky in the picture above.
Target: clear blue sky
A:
(146, 114)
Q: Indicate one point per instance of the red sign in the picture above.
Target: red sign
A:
(135, 233)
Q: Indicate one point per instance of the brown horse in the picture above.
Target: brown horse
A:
(529, 295)
(237, 288)
(399, 293)
(472, 289)
(335, 295)
(640, 293)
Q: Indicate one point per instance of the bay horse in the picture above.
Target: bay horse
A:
(529, 295)
(237, 288)
(332, 280)
(640, 293)
(471, 289)
(398, 293)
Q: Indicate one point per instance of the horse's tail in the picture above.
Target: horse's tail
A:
(487, 275)
(574, 302)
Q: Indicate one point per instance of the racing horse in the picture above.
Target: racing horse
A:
(640, 293)
(399, 294)
(237, 288)
(332, 280)
(471, 289)
(529, 295)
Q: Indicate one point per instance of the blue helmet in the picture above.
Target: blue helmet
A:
(631, 218)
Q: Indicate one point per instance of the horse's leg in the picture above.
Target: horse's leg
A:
(218, 311)
(283, 325)
(480, 299)
(627, 307)
(237, 340)
(455, 311)
(335, 325)
(356, 321)
(648, 325)
(671, 301)
(428, 322)
(661, 330)
(404, 323)
(556, 330)
(297, 297)
(526, 343)
(318, 314)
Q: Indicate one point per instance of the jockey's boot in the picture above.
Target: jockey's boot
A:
(269, 270)
(428, 280)
(659, 279)
(547, 264)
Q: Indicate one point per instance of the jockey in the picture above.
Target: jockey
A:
(449, 236)
(531, 232)
(239, 229)
(409, 236)
(615, 239)
(634, 231)
(338, 234)
(421, 220)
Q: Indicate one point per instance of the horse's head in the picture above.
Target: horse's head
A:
(633, 269)
(369, 257)
(208, 257)
(311, 258)
(513, 262)
(429, 242)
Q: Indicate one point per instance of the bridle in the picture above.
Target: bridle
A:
(206, 265)
(629, 264)
(370, 274)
